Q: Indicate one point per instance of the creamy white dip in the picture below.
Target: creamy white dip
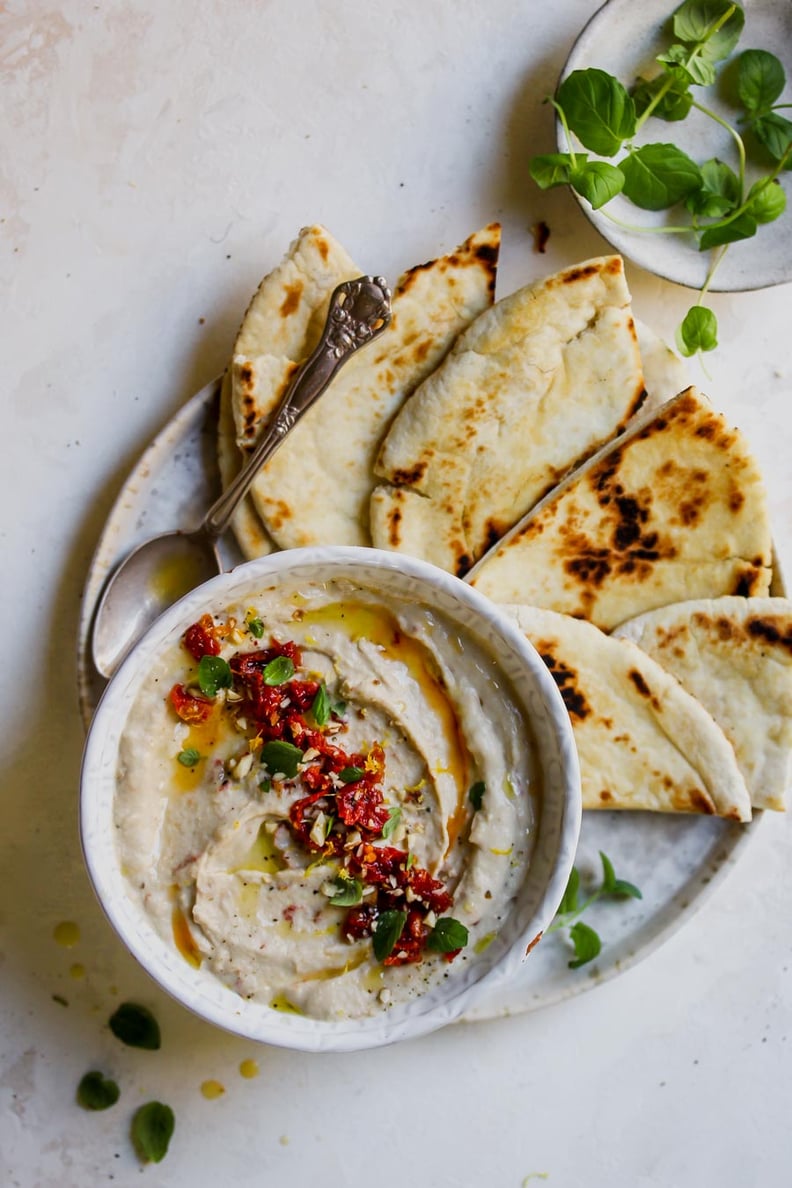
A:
(206, 842)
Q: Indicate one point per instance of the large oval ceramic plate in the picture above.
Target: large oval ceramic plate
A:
(623, 38)
(676, 861)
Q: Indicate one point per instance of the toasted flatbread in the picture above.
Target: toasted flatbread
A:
(735, 656)
(316, 489)
(282, 326)
(643, 742)
(674, 509)
(247, 527)
(537, 382)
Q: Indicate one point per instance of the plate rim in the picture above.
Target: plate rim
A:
(705, 880)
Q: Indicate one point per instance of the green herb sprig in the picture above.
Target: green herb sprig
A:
(596, 110)
(586, 942)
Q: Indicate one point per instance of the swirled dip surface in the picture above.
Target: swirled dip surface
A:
(347, 819)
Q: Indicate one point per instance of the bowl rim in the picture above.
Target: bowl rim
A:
(256, 1021)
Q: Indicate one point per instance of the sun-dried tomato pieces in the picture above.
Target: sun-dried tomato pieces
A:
(340, 817)
(359, 922)
(189, 708)
(201, 638)
(360, 807)
(431, 892)
(378, 864)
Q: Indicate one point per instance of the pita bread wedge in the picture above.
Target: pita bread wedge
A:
(282, 326)
(316, 489)
(643, 742)
(735, 656)
(538, 382)
(246, 525)
(675, 509)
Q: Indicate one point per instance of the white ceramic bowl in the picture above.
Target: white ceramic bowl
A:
(623, 38)
(558, 825)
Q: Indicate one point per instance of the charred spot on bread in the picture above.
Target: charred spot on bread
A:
(567, 681)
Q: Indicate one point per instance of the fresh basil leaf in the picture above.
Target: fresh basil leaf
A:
(569, 903)
(775, 133)
(686, 68)
(152, 1129)
(719, 193)
(255, 627)
(743, 227)
(476, 794)
(320, 707)
(94, 1092)
(698, 331)
(447, 936)
(657, 176)
(350, 775)
(598, 110)
(767, 201)
(587, 944)
(350, 892)
(608, 873)
(393, 822)
(674, 104)
(135, 1026)
(188, 757)
(760, 79)
(626, 890)
(213, 675)
(338, 708)
(611, 885)
(552, 169)
(598, 182)
(695, 19)
(280, 756)
(387, 930)
(278, 671)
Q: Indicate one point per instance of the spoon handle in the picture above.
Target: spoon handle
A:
(358, 313)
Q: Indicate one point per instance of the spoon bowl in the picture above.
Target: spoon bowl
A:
(152, 577)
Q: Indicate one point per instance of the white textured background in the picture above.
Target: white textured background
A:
(156, 160)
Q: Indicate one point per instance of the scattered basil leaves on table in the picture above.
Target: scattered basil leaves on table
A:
(585, 940)
(135, 1026)
(597, 111)
(152, 1129)
(96, 1092)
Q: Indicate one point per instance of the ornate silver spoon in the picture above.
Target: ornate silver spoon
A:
(133, 598)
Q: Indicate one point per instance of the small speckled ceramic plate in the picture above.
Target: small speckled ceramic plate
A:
(398, 580)
(677, 861)
(623, 38)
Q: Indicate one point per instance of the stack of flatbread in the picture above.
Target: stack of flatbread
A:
(547, 449)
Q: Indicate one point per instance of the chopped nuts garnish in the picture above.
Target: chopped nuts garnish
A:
(243, 765)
